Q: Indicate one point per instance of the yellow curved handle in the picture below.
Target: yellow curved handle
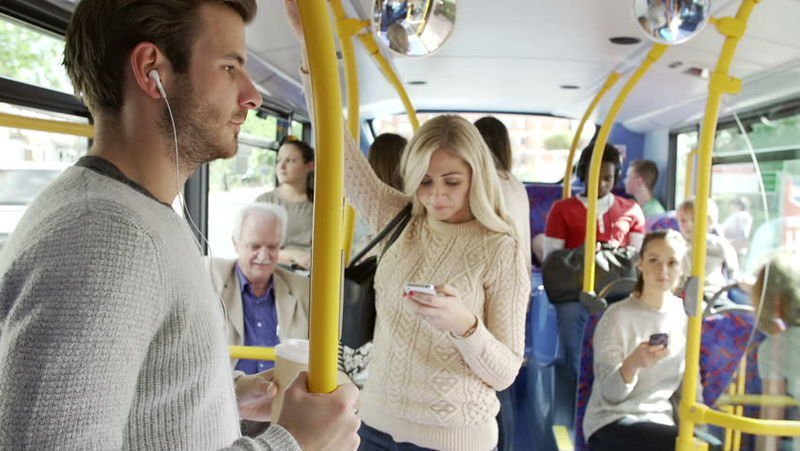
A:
(372, 47)
(610, 82)
(593, 176)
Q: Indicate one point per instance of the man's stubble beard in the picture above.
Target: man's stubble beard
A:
(198, 141)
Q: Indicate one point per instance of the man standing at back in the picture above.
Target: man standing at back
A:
(640, 180)
(111, 335)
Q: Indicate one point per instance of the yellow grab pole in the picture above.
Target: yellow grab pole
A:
(720, 83)
(612, 79)
(46, 125)
(372, 48)
(346, 28)
(326, 255)
(688, 184)
(597, 156)
(740, 390)
(252, 352)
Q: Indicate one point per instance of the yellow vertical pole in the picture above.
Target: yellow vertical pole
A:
(720, 83)
(741, 388)
(612, 79)
(688, 184)
(346, 28)
(369, 43)
(597, 156)
(327, 252)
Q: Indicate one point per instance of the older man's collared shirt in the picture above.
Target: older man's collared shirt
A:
(260, 322)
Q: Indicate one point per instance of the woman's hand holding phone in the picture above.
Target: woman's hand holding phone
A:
(645, 355)
(444, 311)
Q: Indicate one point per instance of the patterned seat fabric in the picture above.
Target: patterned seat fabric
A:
(585, 379)
(541, 197)
(668, 220)
(725, 340)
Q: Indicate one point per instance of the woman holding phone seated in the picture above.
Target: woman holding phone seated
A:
(639, 349)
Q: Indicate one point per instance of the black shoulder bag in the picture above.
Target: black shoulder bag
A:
(562, 272)
(358, 297)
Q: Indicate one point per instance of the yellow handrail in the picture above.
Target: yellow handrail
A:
(701, 414)
(369, 43)
(346, 28)
(327, 252)
(746, 399)
(692, 412)
(593, 178)
(46, 125)
(740, 388)
(612, 79)
(252, 352)
(688, 184)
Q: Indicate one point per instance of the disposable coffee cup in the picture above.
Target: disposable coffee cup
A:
(290, 360)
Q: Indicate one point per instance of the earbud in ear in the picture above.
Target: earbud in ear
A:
(153, 74)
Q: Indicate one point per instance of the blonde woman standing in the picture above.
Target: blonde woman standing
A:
(438, 360)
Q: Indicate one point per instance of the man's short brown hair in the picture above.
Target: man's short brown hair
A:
(647, 170)
(102, 34)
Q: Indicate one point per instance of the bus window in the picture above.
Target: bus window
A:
(33, 57)
(540, 143)
(736, 188)
(686, 142)
(297, 129)
(235, 182)
(30, 161)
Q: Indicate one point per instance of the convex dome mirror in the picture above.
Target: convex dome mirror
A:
(671, 21)
(413, 27)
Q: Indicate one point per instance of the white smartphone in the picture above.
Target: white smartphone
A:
(420, 288)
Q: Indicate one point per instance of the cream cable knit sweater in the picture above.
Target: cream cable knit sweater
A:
(425, 386)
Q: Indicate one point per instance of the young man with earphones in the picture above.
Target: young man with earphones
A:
(111, 333)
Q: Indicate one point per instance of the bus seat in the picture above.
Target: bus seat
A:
(725, 339)
(585, 379)
(541, 197)
(545, 345)
(668, 220)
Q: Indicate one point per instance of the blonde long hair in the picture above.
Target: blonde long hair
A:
(780, 276)
(457, 135)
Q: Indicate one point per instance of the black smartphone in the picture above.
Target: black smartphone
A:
(659, 340)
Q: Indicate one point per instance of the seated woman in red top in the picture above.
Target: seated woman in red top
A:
(620, 221)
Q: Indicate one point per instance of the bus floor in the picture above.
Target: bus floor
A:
(539, 404)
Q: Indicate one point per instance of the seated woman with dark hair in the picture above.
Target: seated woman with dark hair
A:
(295, 192)
(639, 353)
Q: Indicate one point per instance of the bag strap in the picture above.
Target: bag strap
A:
(397, 224)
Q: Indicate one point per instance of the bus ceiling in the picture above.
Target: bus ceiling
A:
(529, 57)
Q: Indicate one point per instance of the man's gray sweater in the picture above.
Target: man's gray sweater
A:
(111, 336)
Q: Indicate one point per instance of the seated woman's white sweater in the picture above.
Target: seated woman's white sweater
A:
(622, 328)
(426, 386)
